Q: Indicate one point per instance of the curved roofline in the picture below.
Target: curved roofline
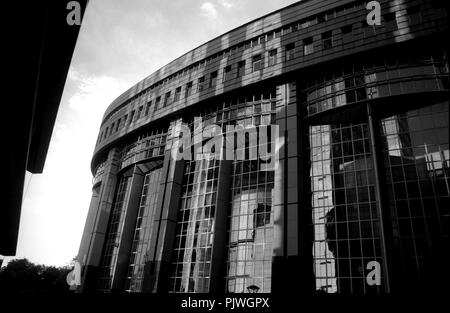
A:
(123, 94)
(133, 99)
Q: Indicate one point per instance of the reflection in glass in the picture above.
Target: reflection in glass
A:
(416, 157)
(251, 229)
(344, 217)
(194, 235)
(111, 250)
(143, 230)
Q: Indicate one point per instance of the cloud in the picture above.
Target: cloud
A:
(94, 93)
(227, 4)
(56, 201)
(208, 10)
(211, 11)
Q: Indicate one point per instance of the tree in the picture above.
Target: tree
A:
(22, 276)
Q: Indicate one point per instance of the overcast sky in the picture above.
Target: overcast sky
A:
(120, 43)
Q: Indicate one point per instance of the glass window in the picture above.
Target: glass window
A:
(347, 29)
(414, 15)
(391, 21)
(194, 231)
(142, 231)
(212, 79)
(327, 40)
(257, 63)
(272, 57)
(177, 94)
(188, 89)
(132, 116)
(201, 84)
(287, 30)
(290, 51)
(147, 109)
(308, 46)
(125, 120)
(158, 103)
(416, 154)
(343, 207)
(226, 72)
(262, 39)
(241, 68)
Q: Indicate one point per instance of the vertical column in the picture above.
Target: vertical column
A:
(128, 227)
(373, 130)
(286, 191)
(157, 268)
(305, 227)
(219, 249)
(93, 239)
(278, 197)
(88, 231)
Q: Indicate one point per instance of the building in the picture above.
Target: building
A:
(40, 44)
(358, 199)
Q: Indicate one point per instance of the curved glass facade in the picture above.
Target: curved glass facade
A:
(415, 150)
(357, 199)
(370, 81)
(249, 217)
(410, 186)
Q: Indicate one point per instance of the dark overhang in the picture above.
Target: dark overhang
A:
(39, 43)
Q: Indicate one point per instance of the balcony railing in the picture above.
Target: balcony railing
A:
(146, 148)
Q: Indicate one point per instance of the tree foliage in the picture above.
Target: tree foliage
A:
(22, 276)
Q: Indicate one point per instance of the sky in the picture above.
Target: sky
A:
(119, 44)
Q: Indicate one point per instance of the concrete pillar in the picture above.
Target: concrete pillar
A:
(157, 269)
(93, 239)
(88, 231)
(287, 208)
(219, 248)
